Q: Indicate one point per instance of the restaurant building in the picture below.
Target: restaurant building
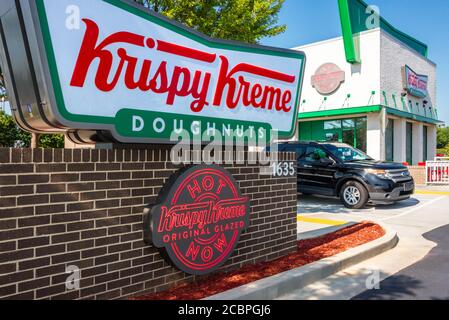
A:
(373, 88)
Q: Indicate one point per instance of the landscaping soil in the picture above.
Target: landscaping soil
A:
(309, 251)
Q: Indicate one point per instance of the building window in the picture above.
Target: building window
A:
(332, 125)
(425, 132)
(389, 141)
(351, 131)
(409, 143)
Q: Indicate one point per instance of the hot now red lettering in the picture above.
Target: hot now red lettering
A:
(176, 81)
(207, 252)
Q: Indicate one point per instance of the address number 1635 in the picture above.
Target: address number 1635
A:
(283, 169)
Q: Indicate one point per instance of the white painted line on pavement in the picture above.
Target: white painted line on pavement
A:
(428, 203)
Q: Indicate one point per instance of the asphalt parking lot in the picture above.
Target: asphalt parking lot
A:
(316, 212)
(417, 268)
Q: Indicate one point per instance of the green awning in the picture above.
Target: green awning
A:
(366, 109)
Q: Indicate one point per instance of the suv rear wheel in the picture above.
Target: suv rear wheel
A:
(353, 195)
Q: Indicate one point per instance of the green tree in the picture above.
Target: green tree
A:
(242, 20)
(443, 138)
(12, 136)
(51, 141)
(8, 130)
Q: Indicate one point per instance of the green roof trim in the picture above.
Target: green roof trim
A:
(353, 18)
(411, 116)
(339, 112)
(365, 109)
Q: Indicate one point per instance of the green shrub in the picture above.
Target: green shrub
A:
(11, 136)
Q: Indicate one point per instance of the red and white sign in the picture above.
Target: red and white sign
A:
(328, 78)
(415, 84)
(437, 172)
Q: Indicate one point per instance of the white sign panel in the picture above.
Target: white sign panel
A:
(116, 67)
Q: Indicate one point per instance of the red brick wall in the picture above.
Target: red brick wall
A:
(85, 208)
(419, 174)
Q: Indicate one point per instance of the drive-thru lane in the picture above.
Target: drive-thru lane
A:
(421, 222)
(426, 279)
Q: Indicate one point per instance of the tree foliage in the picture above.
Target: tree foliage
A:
(443, 138)
(51, 141)
(8, 130)
(242, 20)
(11, 136)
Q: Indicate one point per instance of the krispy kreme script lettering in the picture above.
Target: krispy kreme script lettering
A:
(233, 87)
(415, 81)
(200, 215)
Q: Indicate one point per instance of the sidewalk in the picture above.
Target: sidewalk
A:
(289, 282)
(412, 226)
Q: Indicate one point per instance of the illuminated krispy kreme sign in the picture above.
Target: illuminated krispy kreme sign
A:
(199, 218)
(415, 84)
(117, 67)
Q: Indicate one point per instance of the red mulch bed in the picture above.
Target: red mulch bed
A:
(308, 251)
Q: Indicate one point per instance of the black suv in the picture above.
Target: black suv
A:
(337, 169)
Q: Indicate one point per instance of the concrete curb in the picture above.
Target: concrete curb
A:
(286, 282)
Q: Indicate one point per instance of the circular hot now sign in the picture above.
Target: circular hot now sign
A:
(328, 78)
(198, 218)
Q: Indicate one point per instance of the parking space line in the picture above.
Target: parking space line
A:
(435, 193)
(428, 203)
(321, 221)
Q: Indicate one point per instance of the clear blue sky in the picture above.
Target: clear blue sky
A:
(428, 21)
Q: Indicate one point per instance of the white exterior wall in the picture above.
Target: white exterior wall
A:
(375, 137)
(383, 58)
(431, 142)
(400, 130)
(360, 81)
(396, 55)
(417, 143)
